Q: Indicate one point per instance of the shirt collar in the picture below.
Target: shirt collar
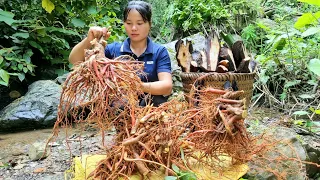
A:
(125, 47)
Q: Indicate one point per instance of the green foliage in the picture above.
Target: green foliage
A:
(197, 15)
(289, 57)
(314, 66)
(48, 5)
(306, 19)
(162, 27)
(17, 62)
(181, 175)
(314, 2)
(250, 36)
(46, 32)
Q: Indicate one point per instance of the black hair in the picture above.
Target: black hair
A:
(142, 7)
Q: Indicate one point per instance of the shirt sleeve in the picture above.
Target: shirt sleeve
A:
(163, 63)
(108, 50)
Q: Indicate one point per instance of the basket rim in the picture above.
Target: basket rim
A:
(215, 73)
(216, 76)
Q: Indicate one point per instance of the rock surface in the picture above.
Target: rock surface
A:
(38, 108)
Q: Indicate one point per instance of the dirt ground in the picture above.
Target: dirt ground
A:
(15, 163)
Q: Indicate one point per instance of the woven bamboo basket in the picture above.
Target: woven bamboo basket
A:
(244, 81)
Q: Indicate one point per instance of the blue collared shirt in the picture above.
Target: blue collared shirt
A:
(156, 58)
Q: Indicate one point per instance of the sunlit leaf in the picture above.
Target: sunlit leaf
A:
(314, 66)
(283, 96)
(4, 77)
(306, 96)
(64, 31)
(6, 17)
(25, 70)
(300, 113)
(21, 76)
(29, 67)
(20, 66)
(175, 168)
(307, 18)
(299, 122)
(48, 5)
(170, 178)
(1, 59)
(311, 31)
(291, 83)
(22, 35)
(313, 82)
(317, 111)
(313, 2)
(78, 22)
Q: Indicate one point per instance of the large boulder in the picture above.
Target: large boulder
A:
(38, 108)
(312, 145)
(284, 158)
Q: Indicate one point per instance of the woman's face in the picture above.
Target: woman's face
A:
(135, 27)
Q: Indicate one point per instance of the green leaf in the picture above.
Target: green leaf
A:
(6, 17)
(311, 31)
(175, 168)
(4, 77)
(48, 5)
(313, 2)
(188, 176)
(21, 76)
(1, 59)
(92, 10)
(309, 123)
(300, 113)
(27, 56)
(5, 50)
(307, 18)
(316, 111)
(25, 70)
(306, 96)
(64, 31)
(29, 67)
(36, 45)
(20, 66)
(78, 22)
(170, 178)
(298, 122)
(22, 35)
(279, 43)
(314, 66)
(283, 95)
(60, 72)
(291, 83)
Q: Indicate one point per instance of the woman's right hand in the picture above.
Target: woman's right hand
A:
(98, 32)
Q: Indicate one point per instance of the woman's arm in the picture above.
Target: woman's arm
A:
(161, 87)
(77, 53)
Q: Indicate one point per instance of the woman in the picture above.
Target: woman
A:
(137, 23)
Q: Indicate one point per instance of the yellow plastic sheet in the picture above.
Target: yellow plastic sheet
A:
(86, 164)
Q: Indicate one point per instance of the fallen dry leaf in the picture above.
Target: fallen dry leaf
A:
(39, 170)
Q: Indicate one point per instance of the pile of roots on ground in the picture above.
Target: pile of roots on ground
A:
(105, 93)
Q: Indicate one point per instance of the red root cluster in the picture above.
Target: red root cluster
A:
(104, 92)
